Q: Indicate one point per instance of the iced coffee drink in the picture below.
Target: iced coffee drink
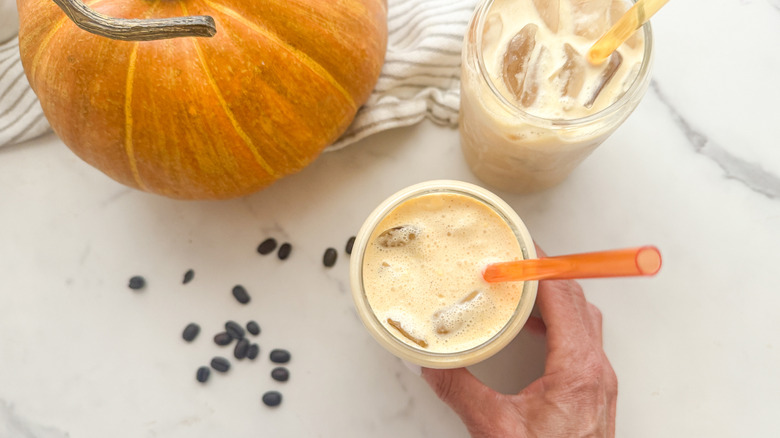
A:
(532, 107)
(417, 274)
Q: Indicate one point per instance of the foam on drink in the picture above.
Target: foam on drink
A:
(422, 272)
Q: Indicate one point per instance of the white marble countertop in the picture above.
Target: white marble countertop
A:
(695, 170)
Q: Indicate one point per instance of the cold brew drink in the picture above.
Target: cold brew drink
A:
(417, 274)
(532, 107)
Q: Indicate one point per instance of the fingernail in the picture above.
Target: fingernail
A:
(415, 369)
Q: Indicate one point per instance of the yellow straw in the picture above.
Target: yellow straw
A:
(632, 20)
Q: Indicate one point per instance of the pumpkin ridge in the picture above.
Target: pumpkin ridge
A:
(44, 44)
(49, 36)
(128, 109)
(222, 103)
(306, 60)
(129, 118)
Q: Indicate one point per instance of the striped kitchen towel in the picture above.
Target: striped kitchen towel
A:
(21, 117)
(421, 75)
(420, 78)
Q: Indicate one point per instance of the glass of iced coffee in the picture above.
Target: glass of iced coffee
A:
(416, 274)
(532, 107)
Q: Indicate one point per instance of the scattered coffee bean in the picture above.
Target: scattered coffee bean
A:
(191, 332)
(253, 351)
(203, 374)
(267, 247)
(188, 276)
(329, 258)
(240, 294)
(242, 347)
(272, 398)
(220, 364)
(253, 328)
(280, 356)
(284, 251)
(136, 282)
(280, 374)
(234, 330)
(223, 338)
(350, 244)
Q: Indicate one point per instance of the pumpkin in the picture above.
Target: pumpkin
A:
(192, 117)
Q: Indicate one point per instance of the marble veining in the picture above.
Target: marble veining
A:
(12, 425)
(752, 175)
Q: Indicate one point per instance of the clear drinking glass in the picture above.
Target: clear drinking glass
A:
(513, 150)
(418, 355)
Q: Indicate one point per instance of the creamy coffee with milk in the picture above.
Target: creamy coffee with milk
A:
(527, 90)
(422, 272)
(534, 52)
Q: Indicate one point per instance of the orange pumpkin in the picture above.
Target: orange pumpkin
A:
(205, 118)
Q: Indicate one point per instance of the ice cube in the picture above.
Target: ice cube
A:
(470, 296)
(590, 17)
(571, 75)
(619, 7)
(394, 237)
(518, 52)
(601, 81)
(397, 325)
(451, 319)
(494, 25)
(550, 11)
(532, 78)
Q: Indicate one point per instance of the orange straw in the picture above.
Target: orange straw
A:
(632, 20)
(645, 260)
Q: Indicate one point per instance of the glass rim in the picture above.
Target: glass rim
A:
(630, 94)
(415, 354)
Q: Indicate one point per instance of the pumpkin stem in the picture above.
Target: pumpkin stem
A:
(134, 29)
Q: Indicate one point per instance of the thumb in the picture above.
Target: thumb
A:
(471, 399)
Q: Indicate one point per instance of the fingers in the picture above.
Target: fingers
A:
(539, 251)
(576, 362)
(595, 320)
(564, 311)
(535, 325)
(464, 393)
(611, 392)
(573, 325)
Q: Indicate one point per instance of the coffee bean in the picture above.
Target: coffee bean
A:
(234, 330)
(272, 398)
(188, 276)
(254, 350)
(267, 247)
(280, 374)
(203, 374)
(242, 347)
(350, 244)
(253, 328)
(136, 282)
(191, 332)
(329, 258)
(280, 356)
(284, 251)
(220, 364)
(223, 338)
(240, 294)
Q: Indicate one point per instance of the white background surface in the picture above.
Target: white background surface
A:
(695, 170)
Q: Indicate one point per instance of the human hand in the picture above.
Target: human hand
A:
(576, 396)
